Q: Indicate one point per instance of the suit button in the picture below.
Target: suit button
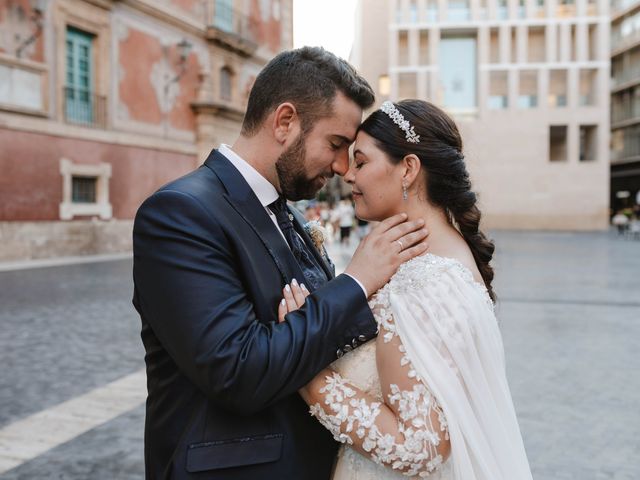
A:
(339, 353)
(354, 343)
(362, 338)
(347, 348)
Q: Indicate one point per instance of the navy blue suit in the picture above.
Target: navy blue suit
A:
(222, 374)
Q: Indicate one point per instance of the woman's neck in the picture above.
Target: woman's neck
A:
(435, 219)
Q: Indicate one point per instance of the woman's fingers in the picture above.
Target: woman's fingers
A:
(298, 293)
(289, 299)
(293, 298)
(282, 310)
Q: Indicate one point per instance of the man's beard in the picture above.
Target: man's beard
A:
(291, 173)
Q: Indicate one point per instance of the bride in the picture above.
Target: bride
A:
(429, 397)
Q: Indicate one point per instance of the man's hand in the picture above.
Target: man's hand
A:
(390, 243)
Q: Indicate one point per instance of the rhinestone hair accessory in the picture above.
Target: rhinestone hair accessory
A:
(394, 114)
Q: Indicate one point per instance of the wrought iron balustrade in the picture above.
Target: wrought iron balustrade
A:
(83, 107)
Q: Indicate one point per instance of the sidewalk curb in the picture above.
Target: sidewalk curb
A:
(62, 261)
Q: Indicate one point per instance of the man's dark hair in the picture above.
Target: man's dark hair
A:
(309, 78)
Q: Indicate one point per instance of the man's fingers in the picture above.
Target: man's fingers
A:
(391, 222)
(410, 239)
(399, 231)
(412, 252)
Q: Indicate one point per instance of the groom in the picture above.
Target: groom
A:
(212, 252)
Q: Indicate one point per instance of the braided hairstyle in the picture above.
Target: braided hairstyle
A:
(448, 183)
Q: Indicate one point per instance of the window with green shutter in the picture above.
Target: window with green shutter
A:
(79, 77)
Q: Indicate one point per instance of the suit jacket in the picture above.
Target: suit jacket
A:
(222, 373)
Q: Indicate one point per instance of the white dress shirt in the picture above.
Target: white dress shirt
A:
(264, 190)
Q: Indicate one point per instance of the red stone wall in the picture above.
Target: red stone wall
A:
(140, 54)
(31, 183)
(267, 32)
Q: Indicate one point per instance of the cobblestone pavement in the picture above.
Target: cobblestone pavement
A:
(569, 307)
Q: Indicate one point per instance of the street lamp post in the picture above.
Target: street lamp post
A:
(184, 48)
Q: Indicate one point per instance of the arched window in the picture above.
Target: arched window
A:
(226, 76)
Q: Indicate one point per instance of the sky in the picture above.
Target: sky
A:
(325, 23)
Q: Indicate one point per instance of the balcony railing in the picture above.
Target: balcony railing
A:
(231, 27)
(83, 107)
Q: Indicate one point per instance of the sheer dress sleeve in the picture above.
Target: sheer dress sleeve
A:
(407, 431)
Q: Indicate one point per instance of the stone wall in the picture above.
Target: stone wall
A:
(37, 240)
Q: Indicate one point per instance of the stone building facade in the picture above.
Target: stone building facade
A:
(625, 104)
(528, 84)
(103, 101)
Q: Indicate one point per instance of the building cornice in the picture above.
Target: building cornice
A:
(170, 16)
(619, 14)
(46, 126)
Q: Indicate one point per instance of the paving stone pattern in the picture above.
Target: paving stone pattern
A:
(569, 307)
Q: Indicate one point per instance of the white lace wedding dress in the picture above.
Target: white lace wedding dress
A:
(439, 361)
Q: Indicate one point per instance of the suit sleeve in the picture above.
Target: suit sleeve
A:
(189, 292)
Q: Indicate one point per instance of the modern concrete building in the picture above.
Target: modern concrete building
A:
(103, 101)
(625, 103)
(528, 83)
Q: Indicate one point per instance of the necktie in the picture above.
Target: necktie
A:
(313, 273)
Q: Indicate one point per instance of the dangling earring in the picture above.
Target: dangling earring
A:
(405, 192)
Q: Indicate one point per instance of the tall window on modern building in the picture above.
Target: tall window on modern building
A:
(403, 48)
(432, 10)
(79, 77)
(588, 87)
(503, 9)
(223, 15)
(536, 48)
(413, 11)
(528, 89)
(424, 48)
(458, 72)
(226, 83)
(458, 10)
(558, 143)
(558, 88)
(588, 142)
(498, 90)
(494, 45)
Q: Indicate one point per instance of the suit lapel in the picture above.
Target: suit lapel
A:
(245, 202)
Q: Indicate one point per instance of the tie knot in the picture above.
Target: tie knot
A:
(279, 206)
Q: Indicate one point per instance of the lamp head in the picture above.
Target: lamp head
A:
(184, 47)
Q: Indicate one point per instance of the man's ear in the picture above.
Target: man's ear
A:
(286, 123)
(412, 167)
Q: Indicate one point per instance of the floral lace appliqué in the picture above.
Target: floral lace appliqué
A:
(345, 415)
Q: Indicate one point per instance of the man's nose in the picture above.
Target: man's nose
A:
(350, 176)
(341, 164)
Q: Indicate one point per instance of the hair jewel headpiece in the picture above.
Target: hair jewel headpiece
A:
(394, 114)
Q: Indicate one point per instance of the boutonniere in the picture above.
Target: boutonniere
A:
(318, 235)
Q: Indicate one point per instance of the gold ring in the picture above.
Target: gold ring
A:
(401, 246)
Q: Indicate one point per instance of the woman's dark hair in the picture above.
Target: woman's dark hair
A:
(448, 183)
(309, 78)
